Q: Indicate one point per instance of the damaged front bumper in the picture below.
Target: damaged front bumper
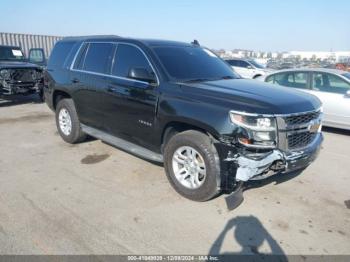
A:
(255, 166)
(12, 88)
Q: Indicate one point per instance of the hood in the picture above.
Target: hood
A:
(251, 96)
(16, 64)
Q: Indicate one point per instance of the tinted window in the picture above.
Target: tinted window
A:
(11, 53)
(79, 61)
(36, 55)
(60, 53)
(190, 63)
(232, 62)
(98, 57)
(292, 79)
(279, 78)
(127, 57)
(347, 75)
(243, 64)
(329, 83)
(270, 79)
(256, 64)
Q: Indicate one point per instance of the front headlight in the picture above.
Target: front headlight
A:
(258, 130)
(5, 74)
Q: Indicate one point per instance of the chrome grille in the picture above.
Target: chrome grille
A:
(294, 130)
(299, 140)
(301, 119)
(23, 75)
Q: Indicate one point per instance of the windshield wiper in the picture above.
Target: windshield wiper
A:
(227, 77)
(197, 80)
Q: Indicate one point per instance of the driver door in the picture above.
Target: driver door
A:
(130, 104)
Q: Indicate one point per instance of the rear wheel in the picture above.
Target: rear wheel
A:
(192, 165)
(67, 122)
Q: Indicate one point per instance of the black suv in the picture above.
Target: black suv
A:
(180, 104)
(17, 74)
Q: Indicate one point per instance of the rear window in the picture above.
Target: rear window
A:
(60, 53)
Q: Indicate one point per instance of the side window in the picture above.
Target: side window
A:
(36, 56)
(297, 80)
(98, 57)
(79, 61)
(329, 83)
(243, 64)
(232, 62)
(270, 79)
(127, 57)
(60, 53)
(280, 79)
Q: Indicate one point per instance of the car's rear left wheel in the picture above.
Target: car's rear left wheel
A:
(67, 122)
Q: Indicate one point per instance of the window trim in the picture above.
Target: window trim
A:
(110, 75)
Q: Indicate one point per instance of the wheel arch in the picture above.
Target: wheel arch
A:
(59, 95)
(174, 127)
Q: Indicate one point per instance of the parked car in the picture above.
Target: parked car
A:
(17, 74)
(331, 86)
(247, 68)
(180, 104)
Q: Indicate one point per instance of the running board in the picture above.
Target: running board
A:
(123, 144)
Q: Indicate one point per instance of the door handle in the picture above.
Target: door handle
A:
(75, 81)
(112, 89)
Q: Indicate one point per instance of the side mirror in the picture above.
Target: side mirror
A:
(250, 67)
(347, 94)
(142, 74)
(37, 56)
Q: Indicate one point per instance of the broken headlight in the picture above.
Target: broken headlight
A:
(257, 131)
(5, 74)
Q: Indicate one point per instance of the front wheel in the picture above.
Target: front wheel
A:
(192, 165)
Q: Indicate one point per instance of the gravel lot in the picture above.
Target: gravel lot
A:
(91, 198)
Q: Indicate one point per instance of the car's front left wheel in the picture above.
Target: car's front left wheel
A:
(192, 165)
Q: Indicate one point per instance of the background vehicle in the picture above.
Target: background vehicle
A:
(17, 75)
(247, 68)
(331, 86)
(180, 104)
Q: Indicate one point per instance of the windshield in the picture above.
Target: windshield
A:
(256, 64)
(347, 75)
(11, 53)
(191, 63)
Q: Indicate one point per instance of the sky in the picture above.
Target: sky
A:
(270, 25)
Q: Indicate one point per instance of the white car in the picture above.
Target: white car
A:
(247, 68)
(331, 86)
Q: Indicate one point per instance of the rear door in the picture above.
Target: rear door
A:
(331, 90)
(90, 78)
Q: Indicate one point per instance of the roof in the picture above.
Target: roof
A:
(11, 46)
(303, 69)
(149, 42)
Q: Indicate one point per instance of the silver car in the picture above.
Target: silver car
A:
(331, 86)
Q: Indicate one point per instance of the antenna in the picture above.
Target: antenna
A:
(195, 42)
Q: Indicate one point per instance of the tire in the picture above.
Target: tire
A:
(41, 96)
(256, 76)
(201, 143)
(75, 135)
